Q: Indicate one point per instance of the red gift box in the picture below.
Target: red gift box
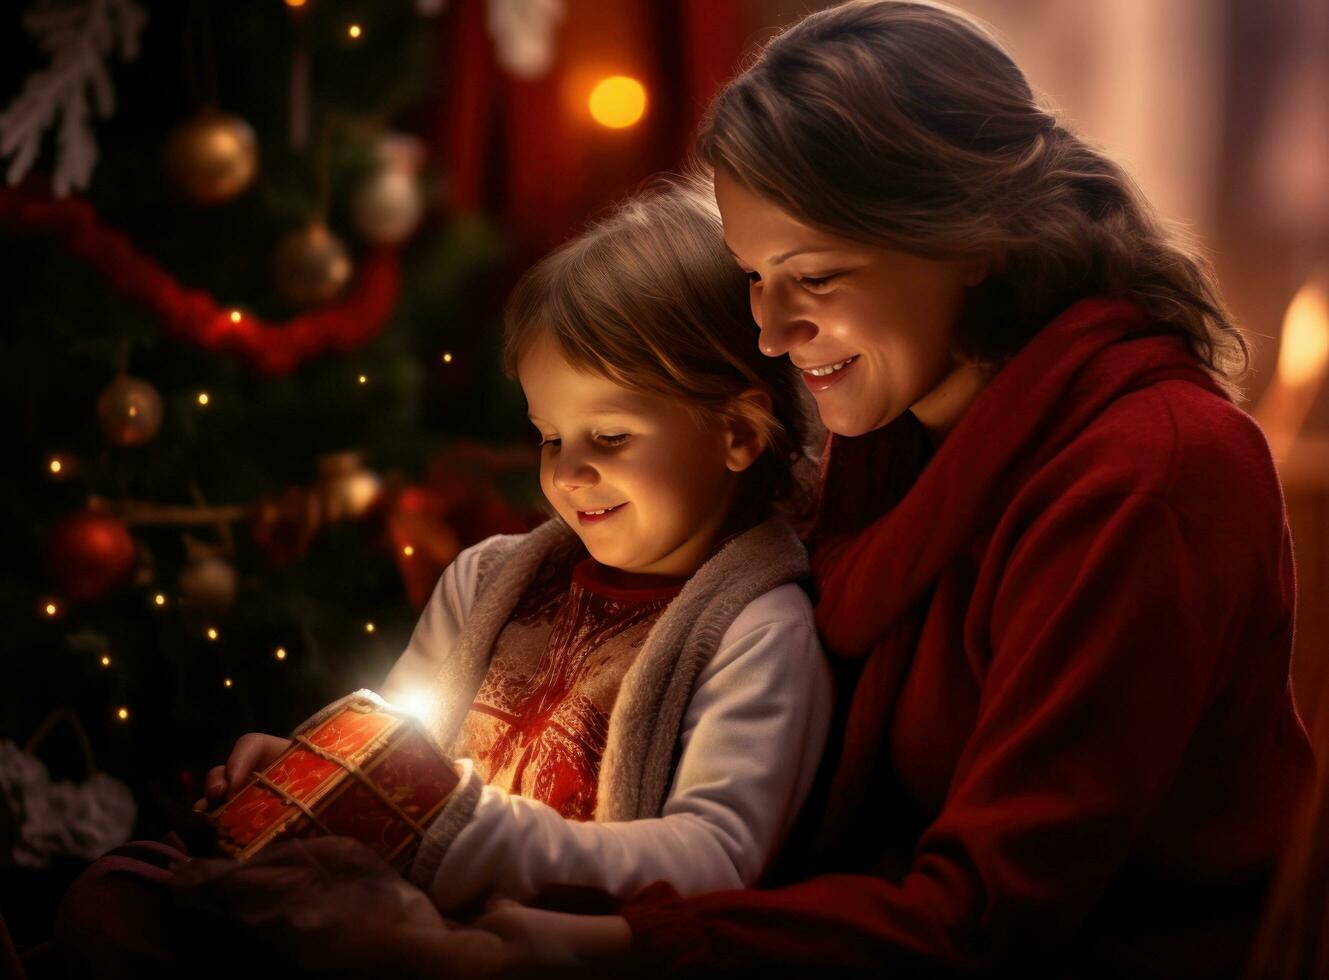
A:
(365, 772)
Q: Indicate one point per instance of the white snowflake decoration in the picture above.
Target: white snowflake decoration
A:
(78, 35)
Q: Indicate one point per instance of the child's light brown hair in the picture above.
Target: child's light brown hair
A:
(650, 298)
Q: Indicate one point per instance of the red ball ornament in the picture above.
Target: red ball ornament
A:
(88, 554)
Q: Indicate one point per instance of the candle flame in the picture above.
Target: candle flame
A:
(1304, 351)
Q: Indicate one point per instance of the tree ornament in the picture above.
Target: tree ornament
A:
(129, 411)
(208, 582)
(346, 489)
(89, 553)
(387, 207)
(78, 35)
(213, 157)
(310, 265)
(284, 523)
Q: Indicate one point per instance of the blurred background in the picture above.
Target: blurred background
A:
(255, 254)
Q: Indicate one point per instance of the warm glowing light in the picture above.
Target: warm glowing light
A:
(122, 714)
(227, 682)
(212, 633)
(353, 31)
(364, 379)
(295, 3)
(1304, 351)
(56, 464)
(159, 599)
(618, 102)
(236, 315)
(369, 627)
(280, 653)
(408, 551)
(106, 661)
(415, 703)
(51, 608)
(447, 357)
(133, 411)
(203, 398)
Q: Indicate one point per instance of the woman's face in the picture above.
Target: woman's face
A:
(644, 484)
(871, 328)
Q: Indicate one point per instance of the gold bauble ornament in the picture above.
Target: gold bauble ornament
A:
(208, 582)
(310, 265)
(387, 206)
(129, 411)
(346, 489)
(213, 157)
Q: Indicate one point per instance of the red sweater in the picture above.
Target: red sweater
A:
(1070, 746)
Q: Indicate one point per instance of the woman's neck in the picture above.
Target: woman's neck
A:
(941, 408)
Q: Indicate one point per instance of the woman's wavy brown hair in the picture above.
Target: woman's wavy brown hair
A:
(649, 298)
(907, 125)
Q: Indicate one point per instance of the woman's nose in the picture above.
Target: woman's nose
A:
(780, 327)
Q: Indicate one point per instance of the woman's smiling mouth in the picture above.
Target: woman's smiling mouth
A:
(821, 378)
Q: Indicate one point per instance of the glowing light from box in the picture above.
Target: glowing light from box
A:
(447, 357)
(51, 609)
(212, 633)
(353, 32)
(203, 398)
(280, 653)
(408, 551)
(1304, 349)
(369, 627)
(236, 316)
(122, 713)
(618, 102)
(106, 661)
(159, 599)
(227, 682)
(56, 464)
(417, 704)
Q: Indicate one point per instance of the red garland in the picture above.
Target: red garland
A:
(271, 349)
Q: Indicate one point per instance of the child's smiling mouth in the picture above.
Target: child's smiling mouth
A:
(593, 516)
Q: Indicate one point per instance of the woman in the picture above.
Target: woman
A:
(1053, 559)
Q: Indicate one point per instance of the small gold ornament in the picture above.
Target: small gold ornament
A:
(387, 207)
(129, 411)
(213, 157)
(310, 265)
(347, 490)
(208, 582)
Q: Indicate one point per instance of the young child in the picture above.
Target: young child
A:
(634, 691)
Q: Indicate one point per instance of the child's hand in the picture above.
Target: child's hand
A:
(254, 751)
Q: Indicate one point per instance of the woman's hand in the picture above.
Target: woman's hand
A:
(255, 751)
(536, 937)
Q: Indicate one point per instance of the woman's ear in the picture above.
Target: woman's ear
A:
(745, 428)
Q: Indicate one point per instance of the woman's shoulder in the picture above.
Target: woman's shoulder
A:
(1173, 439)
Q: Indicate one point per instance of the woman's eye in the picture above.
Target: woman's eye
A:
(613, 440)
(550, 442)
(815, 282)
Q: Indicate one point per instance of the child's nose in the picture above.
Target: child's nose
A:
(574, 473)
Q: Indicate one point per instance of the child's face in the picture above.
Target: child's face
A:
(662, 479)
(877, 326)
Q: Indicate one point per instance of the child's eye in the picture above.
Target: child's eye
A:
(754, 278)
(616, 439)
(550, 442)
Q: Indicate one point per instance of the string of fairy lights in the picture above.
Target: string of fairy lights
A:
(614, 102)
